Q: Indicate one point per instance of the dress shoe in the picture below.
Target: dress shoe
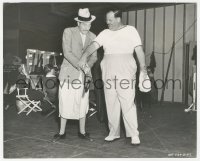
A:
(85, 136)
(58, 137)
(135, 140)
(111, 138)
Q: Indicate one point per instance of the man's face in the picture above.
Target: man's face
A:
(111, 21)
(84, 27)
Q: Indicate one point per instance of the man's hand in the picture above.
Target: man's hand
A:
(86, 68)
(82, 62)
(144, 81)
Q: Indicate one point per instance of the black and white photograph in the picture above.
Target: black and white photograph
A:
(99, 79)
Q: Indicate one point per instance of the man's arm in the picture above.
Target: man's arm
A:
(141, 57)
(92, 59)
(144, 81)
(66, 44)
(91, 49)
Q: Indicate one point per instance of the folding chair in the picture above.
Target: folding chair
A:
(29, 104)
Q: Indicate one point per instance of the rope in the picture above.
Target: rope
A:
(175, 41)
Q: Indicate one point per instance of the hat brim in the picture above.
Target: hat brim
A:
(92, 19)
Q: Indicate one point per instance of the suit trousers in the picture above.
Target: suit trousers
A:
(118, 100)
(119, 73)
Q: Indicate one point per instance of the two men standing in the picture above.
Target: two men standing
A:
(119, 42)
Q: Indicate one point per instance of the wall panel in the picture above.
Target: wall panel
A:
(149, 35)
(140, 24)
(158, 49)
(195, 26)
(178, 54)
(168, 44)
(124, 18)
(189, 36)
(131, 20)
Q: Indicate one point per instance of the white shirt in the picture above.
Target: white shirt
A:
(122, 41)
(83, 37)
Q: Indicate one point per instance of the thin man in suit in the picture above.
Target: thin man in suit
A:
(72, 103)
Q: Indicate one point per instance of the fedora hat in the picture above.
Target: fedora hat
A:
(84, 15)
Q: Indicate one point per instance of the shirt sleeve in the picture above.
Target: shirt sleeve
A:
(100, 38)
(136, 38)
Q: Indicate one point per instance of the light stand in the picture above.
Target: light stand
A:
(193, 107)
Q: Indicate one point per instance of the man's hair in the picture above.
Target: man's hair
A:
(117, 13)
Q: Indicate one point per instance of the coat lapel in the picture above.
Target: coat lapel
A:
(87, 41)
(78, 37)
